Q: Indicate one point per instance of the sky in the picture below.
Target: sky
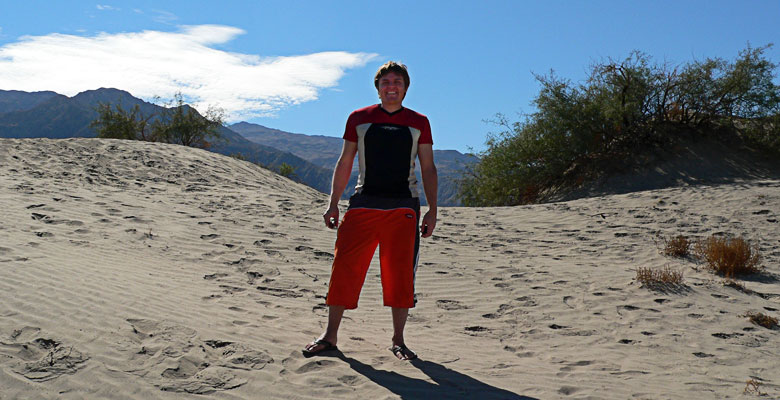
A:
(303, 66)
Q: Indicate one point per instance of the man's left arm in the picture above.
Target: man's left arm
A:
(431, 186)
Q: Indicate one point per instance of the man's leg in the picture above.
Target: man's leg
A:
(355, 247)
(399, 322)
(399, 346)
(335, 313)
(398, 256)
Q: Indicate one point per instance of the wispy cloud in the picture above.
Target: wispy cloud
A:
(103, 7)
(154, 63)
(164, 17)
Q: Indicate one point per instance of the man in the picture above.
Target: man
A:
(385, 209)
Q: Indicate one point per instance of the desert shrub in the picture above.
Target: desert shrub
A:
(753, 386)
(762, 320)
(729, 257)
(617, 119)
(287, 171)
(663, 276)
(175, 122)
(115, 122)
(179, 123)
(677, 246)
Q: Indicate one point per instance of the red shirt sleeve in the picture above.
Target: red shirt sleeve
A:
(425, 134)
(350, 131)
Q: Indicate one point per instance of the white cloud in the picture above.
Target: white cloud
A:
(154, 63)
(103, 7)
(164, 17)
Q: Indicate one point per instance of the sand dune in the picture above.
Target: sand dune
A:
(139, 271)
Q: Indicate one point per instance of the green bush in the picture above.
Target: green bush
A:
(287, 171)
(176, 122)
(622, 112)
(114, 122)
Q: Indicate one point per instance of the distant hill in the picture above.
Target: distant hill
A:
(14, 100)
(52, 115)
(325, 150)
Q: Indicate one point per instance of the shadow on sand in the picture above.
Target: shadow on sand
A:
(449, 384)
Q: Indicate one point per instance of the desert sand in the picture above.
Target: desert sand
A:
(133, 270)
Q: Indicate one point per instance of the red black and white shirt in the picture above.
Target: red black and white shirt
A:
(387, 149)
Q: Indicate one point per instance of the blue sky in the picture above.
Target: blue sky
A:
(302, 66)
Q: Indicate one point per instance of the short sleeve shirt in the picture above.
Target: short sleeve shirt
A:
(387, 149)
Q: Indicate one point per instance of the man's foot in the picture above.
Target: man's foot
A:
(318, 346)
(403, 352)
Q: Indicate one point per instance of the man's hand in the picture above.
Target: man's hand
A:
(331, 217)
(428, 224)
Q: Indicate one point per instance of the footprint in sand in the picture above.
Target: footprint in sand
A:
(215, 275)
(279, 292)
(228, 289)
(476, 330)
(38, 358)
(188, 364)
(450, 305)
(350, 380)
(313, 366)
(526, 301)
(274, 253)
(275, 234)
(626, 308)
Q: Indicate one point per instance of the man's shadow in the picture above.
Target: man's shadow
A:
(449, 384)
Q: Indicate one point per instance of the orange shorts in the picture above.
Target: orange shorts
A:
(395, 231)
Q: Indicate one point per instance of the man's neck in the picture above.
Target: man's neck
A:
(391, 108)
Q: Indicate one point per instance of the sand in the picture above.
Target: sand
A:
(134, 270)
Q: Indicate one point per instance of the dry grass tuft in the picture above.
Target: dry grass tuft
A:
(677, 247)
(753, 386)
(762, 320)
(729, 257)
(663, 276)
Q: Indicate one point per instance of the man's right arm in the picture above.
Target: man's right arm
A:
(340, 179)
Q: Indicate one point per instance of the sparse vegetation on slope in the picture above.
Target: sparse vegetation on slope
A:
(176, 123)
(761, 319)
(659, 277)
(729, 257)
(623, 113)
(677, 246)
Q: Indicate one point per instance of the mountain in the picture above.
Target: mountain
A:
(325, 150)
(321, 150)
(52, 115)
(14, 100)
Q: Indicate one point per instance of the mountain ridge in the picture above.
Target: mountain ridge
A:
(47, 114)
(325, 150)
(56, 116)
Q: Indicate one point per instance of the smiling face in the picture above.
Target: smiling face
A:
(392, 90)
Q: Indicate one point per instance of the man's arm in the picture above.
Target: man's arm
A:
(430, 185)
(340, 179)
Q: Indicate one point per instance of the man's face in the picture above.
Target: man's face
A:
(392, 88)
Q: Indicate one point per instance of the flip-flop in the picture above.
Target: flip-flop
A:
(327, 347)
(404, 351)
